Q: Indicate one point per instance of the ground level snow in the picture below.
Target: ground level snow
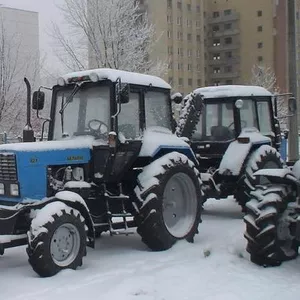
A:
(215, 267)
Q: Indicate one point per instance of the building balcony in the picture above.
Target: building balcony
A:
(223, 33)
(223, 76)
(234, 16)
(225, 47)
(224, 61)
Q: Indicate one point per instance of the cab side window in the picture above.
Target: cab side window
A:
(264, 117)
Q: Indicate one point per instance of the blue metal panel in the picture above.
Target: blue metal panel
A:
(32, 169)
(283, 149)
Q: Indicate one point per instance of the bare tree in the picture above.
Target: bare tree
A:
(265, 77)
(107, 33)
(13, 68)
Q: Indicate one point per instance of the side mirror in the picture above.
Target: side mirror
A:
(38, 100)
(177, 98)
(239, 104)
(292, 105)
(124, 94)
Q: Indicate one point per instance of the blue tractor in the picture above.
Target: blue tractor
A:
(111, 162)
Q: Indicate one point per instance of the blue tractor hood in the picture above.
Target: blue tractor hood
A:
(33, 159)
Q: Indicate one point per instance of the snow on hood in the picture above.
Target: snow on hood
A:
(223, 91)
(126, 77)
(70, 143)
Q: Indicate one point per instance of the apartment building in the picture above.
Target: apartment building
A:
(179, 28)
(243, 33)
(20, 29)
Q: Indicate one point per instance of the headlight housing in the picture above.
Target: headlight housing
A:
(14, 189)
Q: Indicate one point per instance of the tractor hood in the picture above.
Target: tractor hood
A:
(27, 163)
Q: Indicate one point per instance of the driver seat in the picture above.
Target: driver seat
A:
(221, 133)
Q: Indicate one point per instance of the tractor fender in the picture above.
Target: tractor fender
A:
(238, 151)
(75, 201)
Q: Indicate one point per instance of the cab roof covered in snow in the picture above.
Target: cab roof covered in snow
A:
(112, 75)
(232, 91)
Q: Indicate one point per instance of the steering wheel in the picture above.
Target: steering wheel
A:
(243, 124)
(95, 125)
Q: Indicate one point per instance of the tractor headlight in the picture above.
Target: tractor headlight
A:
(2, 189)
(14, 189)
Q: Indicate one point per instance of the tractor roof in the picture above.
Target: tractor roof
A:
(224, 91)
(113, 75)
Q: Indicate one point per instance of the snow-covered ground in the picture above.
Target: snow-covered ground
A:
(215, 267)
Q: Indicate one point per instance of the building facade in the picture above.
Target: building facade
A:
(180, 40)
(241, 34)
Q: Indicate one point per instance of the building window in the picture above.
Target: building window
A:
(170, 65)
(169, 19)
(179, 35)
(216, 42)
(169, 4)
(217, 70)
(198, 53)
(170, 50)
(189, 67)
(229, 82)
(217, 82)
(180, 81)
(189, 7)
(216, 56)
(190, 81)
(216, 28)
(228, 40)
(189, 52)
(169, 34)
(198, 8)
(259, 28)
(179, 5)
(260, 58)
(199, 82)
(227, 12)
(228, 69)
(198, 67)
(171, 80)
(198, 24)
(198, 38)
(189, 23)
(216, 14)
(180, 52)
(189, 36)
(228, 54)
(228, 26)
(259, 45)
(259, 13)
(180, 66)
(179, 21)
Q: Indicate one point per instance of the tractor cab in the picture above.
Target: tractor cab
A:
(228, 111)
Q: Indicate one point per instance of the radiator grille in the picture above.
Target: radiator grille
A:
(8, 169)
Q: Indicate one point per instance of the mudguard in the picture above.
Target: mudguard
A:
(237, 152)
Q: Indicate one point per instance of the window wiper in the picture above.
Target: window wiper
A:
(70, 97)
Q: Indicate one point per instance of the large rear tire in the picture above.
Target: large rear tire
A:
(169, 193)
(265, 157)
(271, 225)
(56, 240)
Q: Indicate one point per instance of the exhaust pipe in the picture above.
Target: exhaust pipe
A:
(28, 135)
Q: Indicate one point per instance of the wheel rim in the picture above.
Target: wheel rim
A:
(268, 165)
(65, 244)
(180, 205)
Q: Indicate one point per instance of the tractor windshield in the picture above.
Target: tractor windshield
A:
(216, 123)
(87, 113)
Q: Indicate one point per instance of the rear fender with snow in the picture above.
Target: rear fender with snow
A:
(279, 176)
(238, 151)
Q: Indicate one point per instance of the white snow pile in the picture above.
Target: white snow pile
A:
(232, 91)
(215, 267)
(158, 137)
(126, 77)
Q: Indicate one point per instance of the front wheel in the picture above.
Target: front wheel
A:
(169, 191)
(57, 239)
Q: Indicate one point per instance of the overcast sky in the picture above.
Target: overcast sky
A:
(48, 12)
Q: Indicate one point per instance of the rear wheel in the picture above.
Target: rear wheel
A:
(57, 239)
(169, 191)
(265, 157)
(271, 225)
